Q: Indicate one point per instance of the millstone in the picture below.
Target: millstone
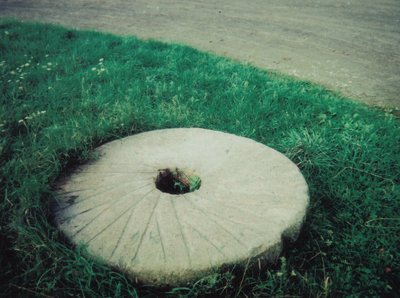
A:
(249, 198)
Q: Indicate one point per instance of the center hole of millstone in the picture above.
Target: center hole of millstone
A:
(177, 181)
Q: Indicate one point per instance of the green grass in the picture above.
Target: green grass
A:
(65, 92)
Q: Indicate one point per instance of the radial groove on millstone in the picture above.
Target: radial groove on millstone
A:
(250, 197)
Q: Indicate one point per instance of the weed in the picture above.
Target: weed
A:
(177, 181)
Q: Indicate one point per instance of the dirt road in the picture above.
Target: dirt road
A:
(352, 46)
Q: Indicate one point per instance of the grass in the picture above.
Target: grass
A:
(65, 92)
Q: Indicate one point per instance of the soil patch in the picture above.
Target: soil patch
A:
(347, 46)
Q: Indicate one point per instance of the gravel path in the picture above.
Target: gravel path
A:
(350, 46)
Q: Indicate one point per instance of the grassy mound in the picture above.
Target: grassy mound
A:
(65, 92)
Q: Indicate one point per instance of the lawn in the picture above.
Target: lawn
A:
(65, 92)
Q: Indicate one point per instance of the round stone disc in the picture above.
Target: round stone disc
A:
(250, 197)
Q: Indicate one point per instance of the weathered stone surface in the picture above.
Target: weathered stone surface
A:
(250, 197)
